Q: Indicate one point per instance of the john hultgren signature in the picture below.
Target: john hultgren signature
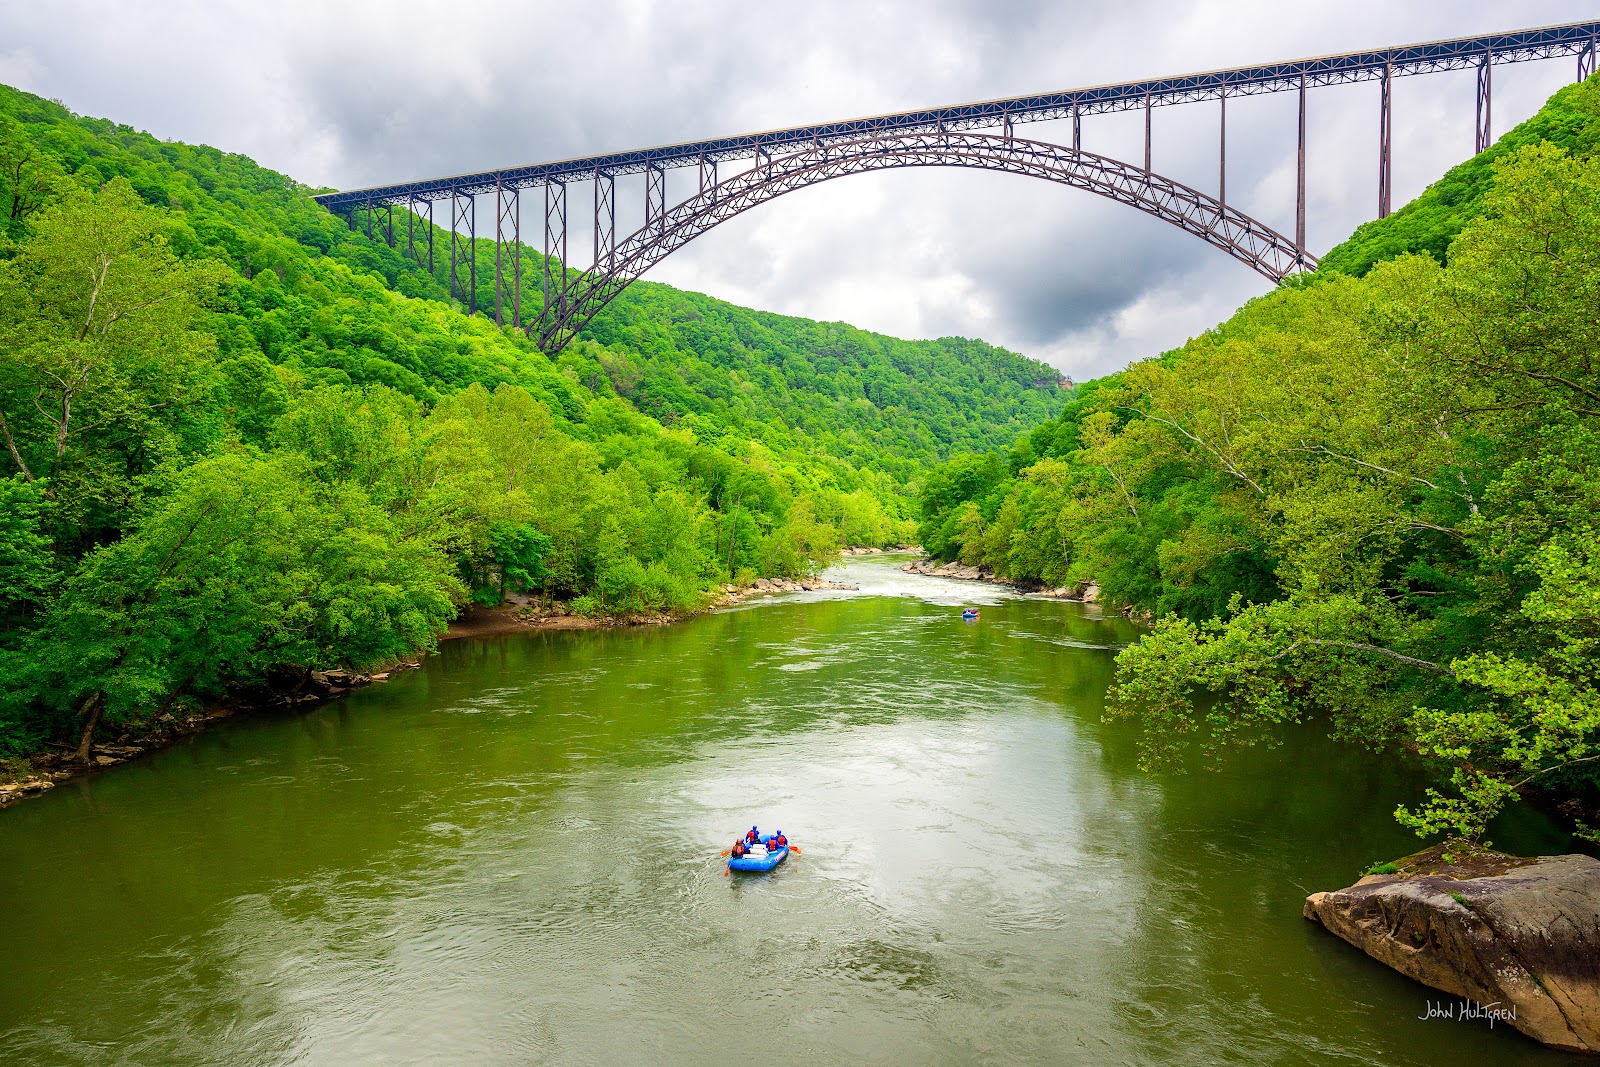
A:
(1466, 1010)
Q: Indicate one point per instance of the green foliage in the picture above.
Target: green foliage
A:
(247, 564)
(1382, 868)
(244, 438)
(1362, 501)
(518, 551)
(1423, 464)
(27, 567)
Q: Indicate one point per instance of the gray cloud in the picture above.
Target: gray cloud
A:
(378, 92)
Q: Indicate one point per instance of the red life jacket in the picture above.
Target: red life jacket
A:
(738, 849)
(752, 837)
(781, 841)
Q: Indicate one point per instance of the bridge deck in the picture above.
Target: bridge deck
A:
(1460, 53)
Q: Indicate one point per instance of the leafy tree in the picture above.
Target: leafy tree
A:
(98, 358)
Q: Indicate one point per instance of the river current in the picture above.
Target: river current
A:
(510, 856)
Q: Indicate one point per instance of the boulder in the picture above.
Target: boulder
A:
(1519, 937)
(1091, 593)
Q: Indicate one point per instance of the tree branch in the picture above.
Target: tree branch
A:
(11, 446)
(1361, 646)
(1227, 464)
(1556, 767)
(1326, 451)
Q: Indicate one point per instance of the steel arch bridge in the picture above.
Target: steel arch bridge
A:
(1257, 245)
(782, 161)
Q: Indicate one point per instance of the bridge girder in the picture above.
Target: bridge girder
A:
(1253, 243)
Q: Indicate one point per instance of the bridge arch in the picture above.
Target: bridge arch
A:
(1253, 243)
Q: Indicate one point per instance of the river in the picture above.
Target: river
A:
(509, 856)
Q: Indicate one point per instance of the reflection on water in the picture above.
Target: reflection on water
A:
(510, 857)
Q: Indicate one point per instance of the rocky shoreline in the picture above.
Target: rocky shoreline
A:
(1084, 592)
(49, 769)
(527, 614)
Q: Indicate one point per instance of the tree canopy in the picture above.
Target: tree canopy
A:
(1367, 499)
(243, 437)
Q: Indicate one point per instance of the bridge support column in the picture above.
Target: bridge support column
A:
(508, 210)
(1586, 59)
(1147, 134)
(605, 221)
(414, 213)
(1384, 128)
(655, 197)
(555, 253)
(1485, 67)
(464, 254)
(1222, 148)
(1300, 181)
(1077, 129)
(708, 176)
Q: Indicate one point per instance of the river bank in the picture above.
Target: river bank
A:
(59, 764)
(528, 614)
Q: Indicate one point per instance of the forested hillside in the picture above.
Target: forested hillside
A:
(1367, 500)
(241, 438)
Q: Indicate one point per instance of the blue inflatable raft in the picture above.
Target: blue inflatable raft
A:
(760, 863)
(970, 613)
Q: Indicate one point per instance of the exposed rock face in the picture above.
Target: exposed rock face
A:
(949, 570)
(1087, 591)
(1520, 934)
(782, 585)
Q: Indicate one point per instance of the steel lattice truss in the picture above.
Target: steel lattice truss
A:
(1576, 39)
(1261, 247)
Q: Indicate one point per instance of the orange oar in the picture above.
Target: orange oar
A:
(795, 849)
(727, 852)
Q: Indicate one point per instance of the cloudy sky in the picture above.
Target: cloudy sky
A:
(367, 93)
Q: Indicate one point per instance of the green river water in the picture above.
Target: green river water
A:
(510, 857)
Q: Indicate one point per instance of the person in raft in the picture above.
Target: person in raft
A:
(779, 841)
(738, 848)
(753, 837)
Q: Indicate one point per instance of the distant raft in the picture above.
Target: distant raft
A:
(969, 613)
(753, 863)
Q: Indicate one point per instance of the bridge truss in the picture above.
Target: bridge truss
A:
(779, 161)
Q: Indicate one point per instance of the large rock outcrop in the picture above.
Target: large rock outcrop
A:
(1522, 935)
